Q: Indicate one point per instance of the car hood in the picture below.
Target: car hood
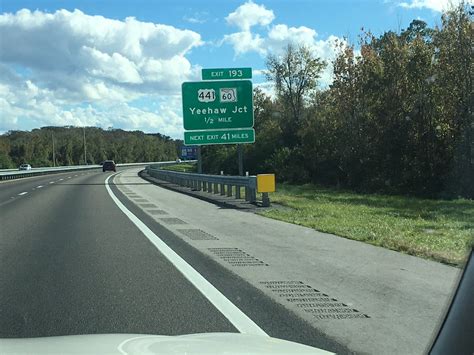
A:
(209, 343)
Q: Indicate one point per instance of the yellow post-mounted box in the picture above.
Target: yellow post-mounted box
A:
(266, 183)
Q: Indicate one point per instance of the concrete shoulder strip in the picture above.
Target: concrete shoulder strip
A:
(239, 319)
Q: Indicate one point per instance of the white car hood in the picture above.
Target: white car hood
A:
(209, 343)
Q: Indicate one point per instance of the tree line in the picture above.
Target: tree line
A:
(398, 117)
(66, 146)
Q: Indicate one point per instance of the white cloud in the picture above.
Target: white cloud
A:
(436, 5)
(259, 72)
(277, 37)
(244, 42)
(26, 106)
(199, 17)
(267, 88)
(115, 67)
(92, 46)
(280, 35)
(250, 14)
(52, 65)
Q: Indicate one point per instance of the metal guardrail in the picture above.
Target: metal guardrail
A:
(216, 184)
(18, 174)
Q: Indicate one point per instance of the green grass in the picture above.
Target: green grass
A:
(183, 167)
(436, 229)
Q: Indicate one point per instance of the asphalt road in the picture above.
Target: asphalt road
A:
(72, 263)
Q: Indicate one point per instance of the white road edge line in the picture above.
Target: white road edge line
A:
(22, 193)
(238, 319)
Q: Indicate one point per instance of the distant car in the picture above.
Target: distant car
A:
(25, 167)
(109, 165)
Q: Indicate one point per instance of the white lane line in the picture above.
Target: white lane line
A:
(60, 179)
(22, 193)
(69, 177)
(39, 186)
(239, 319)
(51, 182)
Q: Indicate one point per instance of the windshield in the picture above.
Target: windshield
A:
(299, 170)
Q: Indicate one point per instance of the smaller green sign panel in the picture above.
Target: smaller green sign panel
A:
(224, 136)
(226, 73)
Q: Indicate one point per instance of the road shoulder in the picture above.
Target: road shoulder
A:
(373, 299)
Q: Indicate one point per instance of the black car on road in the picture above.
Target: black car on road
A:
(109, 165)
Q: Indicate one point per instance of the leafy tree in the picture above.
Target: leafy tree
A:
(36, 147)
(454, 92)
(295, 75)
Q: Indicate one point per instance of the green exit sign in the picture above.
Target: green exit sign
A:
(217, 104)
(227, 136)
(227, 73)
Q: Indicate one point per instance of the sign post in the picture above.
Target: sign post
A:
(240, 159)
(199, 160)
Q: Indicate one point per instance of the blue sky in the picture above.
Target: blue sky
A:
(60, 66)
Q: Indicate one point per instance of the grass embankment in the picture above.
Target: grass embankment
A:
(182, 167)
(436, 229)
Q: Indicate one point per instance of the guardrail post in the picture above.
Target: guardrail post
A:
(222, 185)
(265, 200)
(247, 194)
(237, 191)
(209, 187)
(199, 185)
(253, 195)
(204, 185)
(252, 190)
(229, 190)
